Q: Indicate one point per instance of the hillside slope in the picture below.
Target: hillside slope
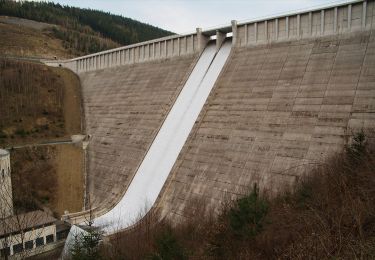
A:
(83, 31)
(25, 41)
(40, 104)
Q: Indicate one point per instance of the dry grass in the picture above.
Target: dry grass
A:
(37, 103)
(33, 177)
(22, 41)
(329, 215)
(31, 103)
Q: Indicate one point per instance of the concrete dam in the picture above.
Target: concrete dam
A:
(290, 93)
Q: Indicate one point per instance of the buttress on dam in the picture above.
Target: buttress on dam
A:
(198, 118)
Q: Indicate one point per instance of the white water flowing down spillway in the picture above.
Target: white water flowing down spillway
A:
(160, 158)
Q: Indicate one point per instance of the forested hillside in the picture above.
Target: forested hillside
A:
(83, 30)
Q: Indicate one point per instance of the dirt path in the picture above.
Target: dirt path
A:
(69, 159)
(72, 101)
(69, 169)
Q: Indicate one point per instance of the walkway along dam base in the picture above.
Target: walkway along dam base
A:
(291, 92)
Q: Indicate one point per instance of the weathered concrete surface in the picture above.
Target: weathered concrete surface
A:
(124, 109)
(276, 110)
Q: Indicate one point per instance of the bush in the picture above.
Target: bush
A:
(167, 247)
(22, 133)
(246, 217)
(2, 135)
(357, 149)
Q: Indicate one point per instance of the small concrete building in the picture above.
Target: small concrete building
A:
(26, 232)
(6, 197)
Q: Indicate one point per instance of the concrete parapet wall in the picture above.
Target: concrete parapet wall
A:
(276, 111)
(167, 47)
(124, 109)
(337, 19)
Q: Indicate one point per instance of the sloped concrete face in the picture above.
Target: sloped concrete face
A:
(276, 110)
(124, 109)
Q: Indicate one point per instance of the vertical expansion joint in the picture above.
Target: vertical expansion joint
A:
(322, 22)
(335, 17)
(364, 13)
(165, 48)
(220, 38)
(349, 17)
(235, 33)
(298, 26)
(276, 29)
(199, 37)
(246, 36)
(178, 47)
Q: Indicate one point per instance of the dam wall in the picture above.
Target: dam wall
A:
(124, 108)
(293, 90)
(277, 110)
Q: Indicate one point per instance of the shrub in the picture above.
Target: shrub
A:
(246, 217)
(167, 247)
(22, 133)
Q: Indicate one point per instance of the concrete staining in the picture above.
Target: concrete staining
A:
(124, 109)
(276, 110)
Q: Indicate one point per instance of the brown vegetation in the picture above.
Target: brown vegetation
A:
(19, 40)
(34, 177)
(32, 99)
(329, 215)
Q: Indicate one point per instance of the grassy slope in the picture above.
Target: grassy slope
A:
(29, 42)
(32, 100)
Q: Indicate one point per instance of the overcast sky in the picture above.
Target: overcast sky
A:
(182, 16)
